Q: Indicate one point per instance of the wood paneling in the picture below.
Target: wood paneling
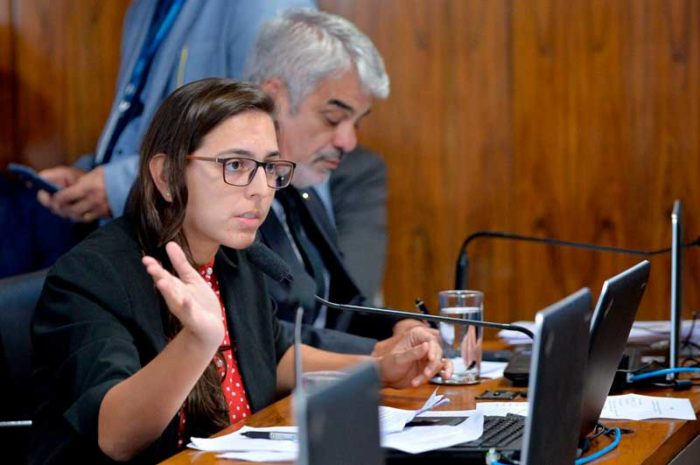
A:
(7, 95)
(574, 119)
(67, 55)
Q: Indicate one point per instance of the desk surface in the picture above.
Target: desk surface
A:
(652, 443)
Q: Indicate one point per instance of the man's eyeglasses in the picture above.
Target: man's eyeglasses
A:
(241, 171)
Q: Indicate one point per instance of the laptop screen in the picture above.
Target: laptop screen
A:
(610, 327)
(556, 386)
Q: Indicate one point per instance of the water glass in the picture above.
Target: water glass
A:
(462, 342)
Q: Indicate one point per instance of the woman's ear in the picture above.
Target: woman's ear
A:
(157, 168)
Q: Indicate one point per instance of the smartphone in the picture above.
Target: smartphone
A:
(32, 180)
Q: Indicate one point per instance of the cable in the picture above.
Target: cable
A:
(602, 452)
(692, 328)
(666, 371)
(493, 457)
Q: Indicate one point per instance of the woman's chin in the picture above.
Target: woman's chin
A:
(240, 240)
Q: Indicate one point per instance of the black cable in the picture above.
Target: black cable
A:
(646, 366)
(462, 265)
(600, 429)
(692, 328)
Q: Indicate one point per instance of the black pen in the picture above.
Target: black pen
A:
(420, 305)
(273, 435)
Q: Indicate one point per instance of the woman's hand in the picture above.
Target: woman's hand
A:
(414, 359)
(188, 296)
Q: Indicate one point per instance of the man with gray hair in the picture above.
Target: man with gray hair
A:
(323, 74)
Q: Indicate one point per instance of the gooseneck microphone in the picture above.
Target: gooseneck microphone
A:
(420, 316)
(267, 261)
(462, 266)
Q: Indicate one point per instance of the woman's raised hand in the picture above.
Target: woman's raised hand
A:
(188, 296)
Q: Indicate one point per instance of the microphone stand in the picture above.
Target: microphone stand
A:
(462, 266)
(421, 316)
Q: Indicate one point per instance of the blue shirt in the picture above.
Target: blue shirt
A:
(209, 39)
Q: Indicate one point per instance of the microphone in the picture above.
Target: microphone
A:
(267, 261)
(462, 265)
(276, 268)
(420, 316)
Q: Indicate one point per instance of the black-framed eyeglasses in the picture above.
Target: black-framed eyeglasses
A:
(240, 171)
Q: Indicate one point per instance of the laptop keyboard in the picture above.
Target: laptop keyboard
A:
(502, 433)
(499, 432)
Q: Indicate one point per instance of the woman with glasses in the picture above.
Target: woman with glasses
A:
(158, 327)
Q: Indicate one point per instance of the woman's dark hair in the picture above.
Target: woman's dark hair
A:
(177, 130)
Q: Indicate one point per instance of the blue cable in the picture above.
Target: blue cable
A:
(592, 457)
(602, 452)
(665, 371)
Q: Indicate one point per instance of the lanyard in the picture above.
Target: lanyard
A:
(146, 56)
(126, 110)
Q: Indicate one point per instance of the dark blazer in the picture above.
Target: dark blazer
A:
(342, 287)
(100, 319)
(359, 196)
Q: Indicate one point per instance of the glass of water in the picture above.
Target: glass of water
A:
(462, 342)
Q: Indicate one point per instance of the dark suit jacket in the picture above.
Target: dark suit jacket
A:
(342, 288)
(100, 319)
(359, 196)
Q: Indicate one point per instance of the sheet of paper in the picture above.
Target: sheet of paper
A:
(643, 332)
(393, 419)
(649, 331)
(237, 442)
(260, 456)
(417, 439)
(636, 407)
(490, 370)
(448, 413)
(516, 337)
(501, 409)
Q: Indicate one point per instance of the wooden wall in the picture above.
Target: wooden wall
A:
(575, 119)
(58, 66)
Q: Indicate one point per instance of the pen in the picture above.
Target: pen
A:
(420, 305)
(275, 436)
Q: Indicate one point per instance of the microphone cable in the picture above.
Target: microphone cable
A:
(461, 268)
(610, 447)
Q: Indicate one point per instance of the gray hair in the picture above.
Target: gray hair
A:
(304, 46)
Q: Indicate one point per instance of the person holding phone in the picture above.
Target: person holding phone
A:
(164, 44)
(158, 326)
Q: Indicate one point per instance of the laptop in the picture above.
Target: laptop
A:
(338, 423)
(610, 327)
(561, 341)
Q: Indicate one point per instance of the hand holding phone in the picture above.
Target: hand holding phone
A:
(32, 180)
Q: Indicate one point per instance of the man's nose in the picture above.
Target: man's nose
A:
(345, 137)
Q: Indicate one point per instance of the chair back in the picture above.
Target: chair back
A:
(18, 297)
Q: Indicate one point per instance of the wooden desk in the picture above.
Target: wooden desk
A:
(652, 443)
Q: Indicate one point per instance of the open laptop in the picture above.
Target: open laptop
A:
(338, 423)
(610, 327)
(554, 415)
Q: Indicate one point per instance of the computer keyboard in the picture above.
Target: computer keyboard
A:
(499, 432)
(502, 433)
